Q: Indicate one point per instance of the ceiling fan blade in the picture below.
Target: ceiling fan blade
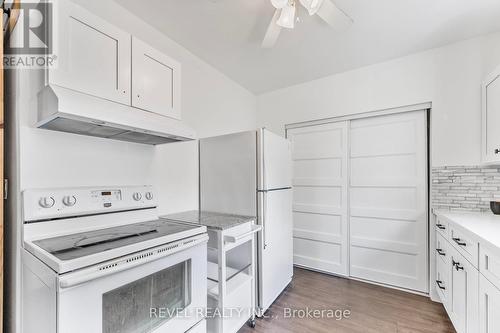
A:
(332, 15)
(273, 31)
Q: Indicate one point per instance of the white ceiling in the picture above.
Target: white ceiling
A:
(227, 34)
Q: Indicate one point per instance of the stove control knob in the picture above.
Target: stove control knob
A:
(69, 200)
(46, 202)
(149, 195)
(137, 196)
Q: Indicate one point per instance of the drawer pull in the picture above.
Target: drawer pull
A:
(459, 242)
(440, 252)
(439, 284)
(457, 266)
(440, 226)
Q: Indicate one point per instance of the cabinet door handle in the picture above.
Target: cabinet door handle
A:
(439, 284)
(457, 266)
(459, 242)
(440, 226)
(440, 252)
(497, 151)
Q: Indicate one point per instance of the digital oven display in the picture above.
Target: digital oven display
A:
(106, 195)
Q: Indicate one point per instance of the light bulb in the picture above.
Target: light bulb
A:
(279, 4)
(287, 17)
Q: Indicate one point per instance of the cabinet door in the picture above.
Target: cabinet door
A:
(93, 56)
(491, 118)
(489, 307)
(463, 307)
(156, 80)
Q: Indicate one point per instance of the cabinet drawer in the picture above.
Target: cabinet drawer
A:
(465, 244)
(443, 282)
(443, 268)
(236, 232)
(442, 227)
(442, 249)
(489, 307)
(489, 264)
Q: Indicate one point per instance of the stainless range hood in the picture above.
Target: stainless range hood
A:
(66, 110)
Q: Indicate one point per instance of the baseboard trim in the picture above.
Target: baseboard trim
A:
(411, 291)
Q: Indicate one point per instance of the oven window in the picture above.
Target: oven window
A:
(143, 305)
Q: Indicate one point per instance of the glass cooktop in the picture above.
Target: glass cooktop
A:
(91, 242)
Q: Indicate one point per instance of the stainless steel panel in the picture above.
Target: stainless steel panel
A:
(145, 138)
(80, 127)
(228, 173)
(102, 131)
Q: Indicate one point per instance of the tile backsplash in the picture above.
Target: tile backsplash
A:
(468, 188)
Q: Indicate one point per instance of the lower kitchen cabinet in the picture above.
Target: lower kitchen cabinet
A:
(463, 301)
(467, 274)
(489, 307)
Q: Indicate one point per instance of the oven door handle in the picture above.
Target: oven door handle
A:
(78, 280)
(128, 262)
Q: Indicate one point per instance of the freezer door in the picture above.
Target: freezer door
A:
(275, 161)
(228, 173)
(275, 246)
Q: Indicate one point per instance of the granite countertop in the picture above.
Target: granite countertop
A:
(212, 220)
(485, 226)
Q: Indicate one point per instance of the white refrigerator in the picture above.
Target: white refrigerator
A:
(249, 173)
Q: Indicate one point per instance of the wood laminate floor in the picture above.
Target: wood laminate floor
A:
(373, 309)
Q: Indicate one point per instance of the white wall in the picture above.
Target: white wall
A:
(211, 103)
(449, 77)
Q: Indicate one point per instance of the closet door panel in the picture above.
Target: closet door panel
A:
(387, 199)
(320, 173)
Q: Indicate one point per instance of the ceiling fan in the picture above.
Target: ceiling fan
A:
(284, 16)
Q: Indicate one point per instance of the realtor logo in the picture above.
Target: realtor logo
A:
(31, 42)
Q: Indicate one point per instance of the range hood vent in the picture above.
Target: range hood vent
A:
(66, 110)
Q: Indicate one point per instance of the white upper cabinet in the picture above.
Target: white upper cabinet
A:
(156, 80)
(491, 119)
(96, 58)
(93, 55)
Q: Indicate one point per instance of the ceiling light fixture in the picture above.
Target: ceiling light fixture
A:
(312, 6)
(279, 4)
(287, 17)
(285, 13)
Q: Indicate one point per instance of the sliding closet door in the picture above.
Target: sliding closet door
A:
(320, 197)
(388, 220)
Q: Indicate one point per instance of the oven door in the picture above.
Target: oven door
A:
(165, 295)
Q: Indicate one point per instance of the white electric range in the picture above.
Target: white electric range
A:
(100, 260)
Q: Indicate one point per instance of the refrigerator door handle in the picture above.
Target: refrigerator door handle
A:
(276, 189)
(264, 213)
